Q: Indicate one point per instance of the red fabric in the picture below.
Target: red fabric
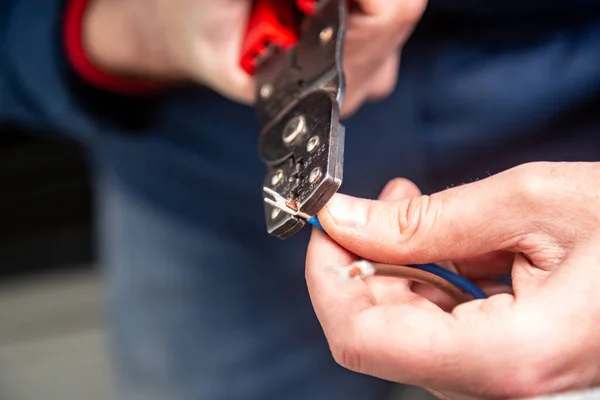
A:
(84, 67)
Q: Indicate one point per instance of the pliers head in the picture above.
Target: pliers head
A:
(300, 91)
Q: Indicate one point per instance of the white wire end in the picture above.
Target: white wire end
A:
(355, 271)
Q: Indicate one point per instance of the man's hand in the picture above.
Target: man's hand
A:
(201, 40)
(540, 220)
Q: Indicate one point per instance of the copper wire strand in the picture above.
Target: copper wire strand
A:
(417, 275)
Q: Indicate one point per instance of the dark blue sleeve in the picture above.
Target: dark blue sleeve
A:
(38, 89)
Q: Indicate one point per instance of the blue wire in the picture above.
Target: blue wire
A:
(455, 279)
(314, 221)
(459, 281)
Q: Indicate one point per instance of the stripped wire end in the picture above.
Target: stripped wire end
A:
(355, 271)
(289, 206)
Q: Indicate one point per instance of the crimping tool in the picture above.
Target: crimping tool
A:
(293, 48)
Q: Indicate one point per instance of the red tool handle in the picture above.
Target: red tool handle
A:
(307, 6)
(273, 23)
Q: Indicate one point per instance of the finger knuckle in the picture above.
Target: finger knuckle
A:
(532, 182)
(382, 89)
(385, 79)
(409, 12)
(411, 216)
(381, 92)
(346, 348)
(348, 355)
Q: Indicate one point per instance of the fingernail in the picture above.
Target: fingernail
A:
(347, 211)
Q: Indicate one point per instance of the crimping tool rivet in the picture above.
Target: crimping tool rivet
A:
(277, 178)
(313, 142)
(315, 175)
(275, 213)
(326, 34)
(266, 91)
(294, 128)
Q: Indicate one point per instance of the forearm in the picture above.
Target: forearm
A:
(40, 88)
(110, 45)
(120, 41)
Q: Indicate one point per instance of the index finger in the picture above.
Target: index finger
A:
(333, 301)
(354, 324)
(412, 341)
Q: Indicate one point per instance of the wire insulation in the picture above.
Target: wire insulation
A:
(457, 280)
(419, 275)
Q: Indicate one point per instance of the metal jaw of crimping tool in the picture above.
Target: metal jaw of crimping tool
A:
(299, 95)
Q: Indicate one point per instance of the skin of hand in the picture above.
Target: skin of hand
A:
(538, 221)
(201, 40)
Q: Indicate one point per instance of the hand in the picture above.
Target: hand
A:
(201, 40)
(540, 220)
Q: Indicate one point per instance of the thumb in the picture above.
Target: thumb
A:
(457, 223)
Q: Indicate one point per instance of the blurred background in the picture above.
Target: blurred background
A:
(53, 338)
(52, 330)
